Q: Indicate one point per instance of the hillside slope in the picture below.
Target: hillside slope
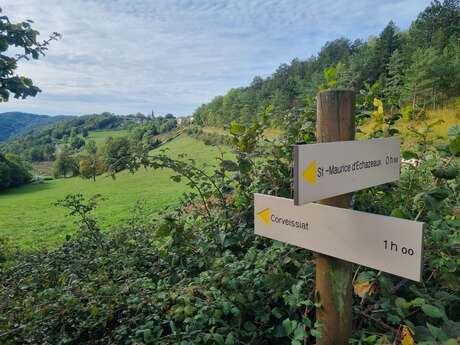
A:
(29, 217)
(419, 67)
(17, 123)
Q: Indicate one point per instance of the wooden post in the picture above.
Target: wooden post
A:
(335, 121)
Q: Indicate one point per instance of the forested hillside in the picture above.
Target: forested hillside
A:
(40, 143)
(416, 69)
(17, 123)
(69, 148)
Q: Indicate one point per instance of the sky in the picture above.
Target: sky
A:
(170, 56)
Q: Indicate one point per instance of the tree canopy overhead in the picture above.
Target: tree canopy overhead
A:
(19, 41)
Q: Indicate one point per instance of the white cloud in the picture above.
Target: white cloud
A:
(172, 55)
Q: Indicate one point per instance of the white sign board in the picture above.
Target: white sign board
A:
(384, 243)
(328, 169)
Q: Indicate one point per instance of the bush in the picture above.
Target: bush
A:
(199, 275)
(14, 171)
(212, 139)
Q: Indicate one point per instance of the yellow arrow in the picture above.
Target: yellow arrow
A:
(309, 174)
(264, 215)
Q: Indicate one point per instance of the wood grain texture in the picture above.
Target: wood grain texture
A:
(335, 122)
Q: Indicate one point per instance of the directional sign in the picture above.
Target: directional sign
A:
(388, 244)
(329, 169)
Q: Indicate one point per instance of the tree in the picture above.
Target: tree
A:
(387, 43)
(65, 164)
(422, 77)
(23, 38)
(4, 173)
(19, 171)
(77, 142)
(394, 81)
(116, 154)
(90, 164)
(48, 152)
(35, 154)
(449, 71)
(13, 171)
(436, 26)
(334, 52)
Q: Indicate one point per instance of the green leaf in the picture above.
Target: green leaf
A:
(148, 336)
(450, 341)
(276, 312)
(393, 131)
(315, 333)
(400, 302)
(366, 276)
(418, 302)
(393, 318)
(447, 173)
(406, 154)
(163, 229)
(218, 338)
(289, 326)
(454, 146)
(249, 326)
(189, 309)
(229, 165)
(439, 193)
(245, 165)
(300, 332)
(236, 129)
(436, 332)
(442, 148)
(453, 132)
(229, 340)
(432, 311)
(400, 212)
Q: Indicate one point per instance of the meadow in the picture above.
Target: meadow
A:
(29, 218)
(100, 136)
(270, 133)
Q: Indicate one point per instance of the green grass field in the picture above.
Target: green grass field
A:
(270, 133)
(100, 136)
(28, 217)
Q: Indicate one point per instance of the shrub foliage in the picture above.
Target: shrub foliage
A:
(198, 275)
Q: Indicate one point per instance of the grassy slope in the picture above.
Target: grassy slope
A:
(270, 133)
(100, 136)
(448, 115)
(28, 217)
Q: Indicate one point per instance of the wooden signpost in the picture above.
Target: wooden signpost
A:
(323, 173)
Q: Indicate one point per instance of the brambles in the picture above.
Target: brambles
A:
(198, 275)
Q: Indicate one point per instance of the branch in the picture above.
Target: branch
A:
(41, 47)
